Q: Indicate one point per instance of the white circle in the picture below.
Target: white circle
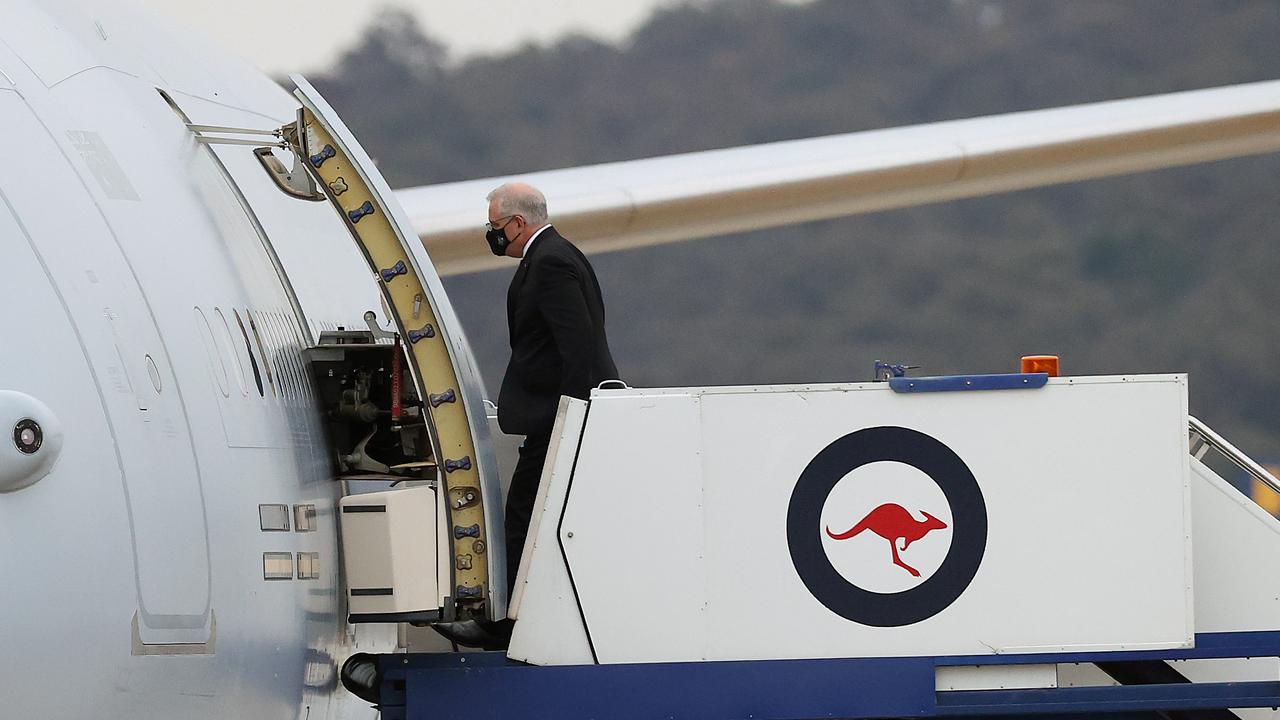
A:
(28, 437)
(892, 498)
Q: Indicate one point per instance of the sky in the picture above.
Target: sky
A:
(282, 36)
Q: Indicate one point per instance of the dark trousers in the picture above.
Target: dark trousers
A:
(520, 499)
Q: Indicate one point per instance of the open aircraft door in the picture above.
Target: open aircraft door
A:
(416, 391)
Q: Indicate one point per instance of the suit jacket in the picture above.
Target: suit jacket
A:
(555, 316)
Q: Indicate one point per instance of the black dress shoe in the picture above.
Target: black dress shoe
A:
(483, 634)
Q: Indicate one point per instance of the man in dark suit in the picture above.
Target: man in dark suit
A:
(555, 318)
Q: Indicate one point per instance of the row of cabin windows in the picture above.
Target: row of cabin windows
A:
(257, 351)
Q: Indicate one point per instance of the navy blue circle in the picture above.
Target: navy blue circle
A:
(968, 532)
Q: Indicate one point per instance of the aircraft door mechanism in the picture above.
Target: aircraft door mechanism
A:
(295, 182)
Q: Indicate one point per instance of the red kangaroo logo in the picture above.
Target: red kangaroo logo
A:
(892, 522)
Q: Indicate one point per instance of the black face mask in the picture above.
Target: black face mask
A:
(498, 241)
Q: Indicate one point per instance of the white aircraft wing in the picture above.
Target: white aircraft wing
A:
(679, 197)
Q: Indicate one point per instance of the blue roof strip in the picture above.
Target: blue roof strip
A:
(958, 383)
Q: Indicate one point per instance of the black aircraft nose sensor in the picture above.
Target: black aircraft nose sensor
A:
(28, 436)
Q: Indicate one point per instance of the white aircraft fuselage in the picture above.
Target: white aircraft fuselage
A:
(144, 311)
(166, 488)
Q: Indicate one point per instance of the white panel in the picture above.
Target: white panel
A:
(1083, 675)
(1265, 669)
(277, 566)
(389, 544)
(562, 450)
(273, 517)
(680, 499)
(633, 529)
(304, 518)
(996, 677)
(554, 633)
(308, 566)
(1085, 489)
(1236, 544)
(1257, 713)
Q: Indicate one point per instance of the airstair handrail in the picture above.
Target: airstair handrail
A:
(1232, 453)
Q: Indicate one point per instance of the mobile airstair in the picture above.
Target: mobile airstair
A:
(1062, 550)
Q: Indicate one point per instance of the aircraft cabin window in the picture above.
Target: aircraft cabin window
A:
(283, 369)
(284, 352)
(293, 346)
(217, 367)
(248, 348)
(289, 346)
(153, 373)
(262, 351)
(261, 325)
(296, 354)
(241, 230)
(228, 346)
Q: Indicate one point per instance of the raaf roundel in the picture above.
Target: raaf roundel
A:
(890, 520)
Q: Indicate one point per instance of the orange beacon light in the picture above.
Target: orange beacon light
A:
(1040, 364)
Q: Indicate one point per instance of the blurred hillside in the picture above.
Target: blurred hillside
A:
(1171, 271)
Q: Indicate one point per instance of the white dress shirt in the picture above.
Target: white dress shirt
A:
(525, 250)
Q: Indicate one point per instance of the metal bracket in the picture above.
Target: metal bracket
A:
(359, 458)
(204, 139)
(885, 371)
(371, 320)
(296, 182)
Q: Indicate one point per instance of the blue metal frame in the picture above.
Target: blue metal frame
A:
(1122, 698)
(961, 383)
(480, 686)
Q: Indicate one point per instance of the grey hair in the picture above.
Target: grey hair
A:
(516, 198)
